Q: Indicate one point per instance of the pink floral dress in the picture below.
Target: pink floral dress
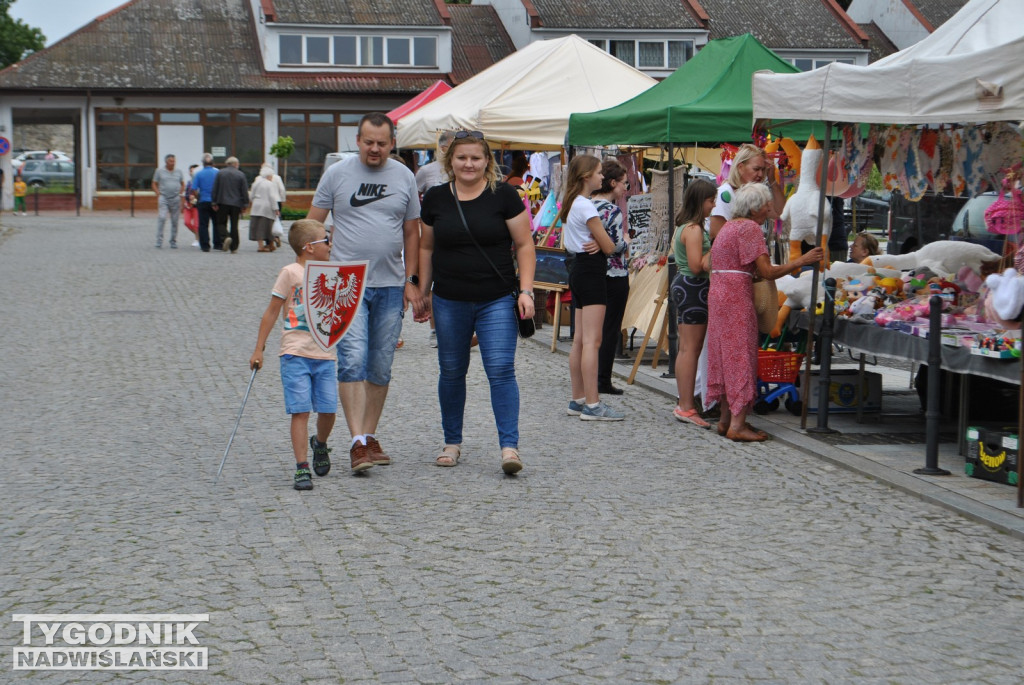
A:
(732, 322)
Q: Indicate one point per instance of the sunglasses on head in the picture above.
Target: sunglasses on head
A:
(469, 134)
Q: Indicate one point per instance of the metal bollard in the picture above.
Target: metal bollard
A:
(825, 358)
(131, 202)
(35, 199)
(932, 413)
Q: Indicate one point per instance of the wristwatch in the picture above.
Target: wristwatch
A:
(414, 279)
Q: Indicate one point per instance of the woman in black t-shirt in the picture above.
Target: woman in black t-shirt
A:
(470, 266)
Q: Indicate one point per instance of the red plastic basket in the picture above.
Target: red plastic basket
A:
(778, 367)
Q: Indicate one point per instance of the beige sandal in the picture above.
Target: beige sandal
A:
(449, 456)
(510, 461)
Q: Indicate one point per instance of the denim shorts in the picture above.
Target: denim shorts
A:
(367, 349)
(309, 385)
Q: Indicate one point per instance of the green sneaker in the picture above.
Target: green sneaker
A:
(303, 479)
(321, 457)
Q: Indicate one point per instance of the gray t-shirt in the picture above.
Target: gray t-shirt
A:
(369, 207)
(169, 182)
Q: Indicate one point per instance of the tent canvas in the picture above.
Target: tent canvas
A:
(944, 78)
(524, 101)
(435, 91)
(705, 100)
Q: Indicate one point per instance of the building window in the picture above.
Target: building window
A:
(359, 51)
(126, 143)
(315, 134)
(648, 54)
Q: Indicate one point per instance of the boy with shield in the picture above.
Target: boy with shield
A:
(308, 372)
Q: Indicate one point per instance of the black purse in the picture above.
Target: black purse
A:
(527, 327)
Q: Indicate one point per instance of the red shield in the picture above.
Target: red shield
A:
(333, 292)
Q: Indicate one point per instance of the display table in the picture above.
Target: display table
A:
(886, 342)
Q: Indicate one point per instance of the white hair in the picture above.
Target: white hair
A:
(750, 197)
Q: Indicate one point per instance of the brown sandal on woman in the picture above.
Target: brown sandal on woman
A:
(510, 461)
(449, 456)
(745, 434)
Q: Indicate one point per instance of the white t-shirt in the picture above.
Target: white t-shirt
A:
(723, 201)
(575, 232)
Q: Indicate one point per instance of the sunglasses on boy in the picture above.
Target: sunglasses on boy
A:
(469, 134)
(317, 242)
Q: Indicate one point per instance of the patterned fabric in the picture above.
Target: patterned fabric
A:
(732, 322)
(611, 217)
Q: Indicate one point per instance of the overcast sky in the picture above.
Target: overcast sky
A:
(58, 18)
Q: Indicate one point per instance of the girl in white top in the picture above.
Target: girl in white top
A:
(587, 244)
(750, 165)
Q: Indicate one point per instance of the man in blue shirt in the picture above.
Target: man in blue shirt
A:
(204, 180)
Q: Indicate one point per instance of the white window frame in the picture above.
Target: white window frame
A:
(605, 44)
(359, 39)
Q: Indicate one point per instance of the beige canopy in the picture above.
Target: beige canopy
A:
(524, 101)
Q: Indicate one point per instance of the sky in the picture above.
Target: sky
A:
(58, 18)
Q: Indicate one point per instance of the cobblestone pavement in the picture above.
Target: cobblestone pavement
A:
(642, 551)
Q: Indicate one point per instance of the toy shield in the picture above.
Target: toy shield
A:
(333, 291)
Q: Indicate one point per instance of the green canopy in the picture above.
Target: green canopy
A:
(707, 100)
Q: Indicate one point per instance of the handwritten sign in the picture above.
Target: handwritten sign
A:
(638, 213)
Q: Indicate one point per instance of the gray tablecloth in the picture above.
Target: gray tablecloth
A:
(886, 342)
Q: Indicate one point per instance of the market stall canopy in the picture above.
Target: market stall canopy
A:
(524, 101)
(432, 93)
(705, 100)
(969, 70)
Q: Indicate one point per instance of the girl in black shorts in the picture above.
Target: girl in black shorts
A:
(692, 247)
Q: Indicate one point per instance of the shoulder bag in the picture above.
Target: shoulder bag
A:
(527, 327)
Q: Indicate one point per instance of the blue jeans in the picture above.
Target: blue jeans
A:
(497, 331)
(367, 349)
(308, 385)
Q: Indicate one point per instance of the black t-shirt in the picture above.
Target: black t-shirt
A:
(460, 271)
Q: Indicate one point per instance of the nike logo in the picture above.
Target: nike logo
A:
(369, 192)
(360, 201)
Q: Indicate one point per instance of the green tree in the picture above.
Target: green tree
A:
(17, 39)
(283, 149)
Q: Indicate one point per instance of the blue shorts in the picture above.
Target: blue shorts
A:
(367, 349)
(309, 385)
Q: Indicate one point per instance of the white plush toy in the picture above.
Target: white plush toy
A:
(846, 270)
(797, 291)
(801, 210)
(943, 257)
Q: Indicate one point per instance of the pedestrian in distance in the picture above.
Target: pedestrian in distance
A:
(20, 191)
(203, 181)
(587, 245)
(169, 187)
(230, 198)
(376, 210)
(266, 203)
(468, 277)
(307, 372)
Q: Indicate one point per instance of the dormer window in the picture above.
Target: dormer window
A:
(358, 51)
(648, 54)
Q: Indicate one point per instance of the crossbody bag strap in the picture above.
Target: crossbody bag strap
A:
(465, 224)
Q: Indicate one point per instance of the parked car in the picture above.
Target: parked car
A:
(913, 224)
(41, 173)
(37, 154)
(869, 211)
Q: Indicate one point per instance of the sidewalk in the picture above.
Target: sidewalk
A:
(886, 447)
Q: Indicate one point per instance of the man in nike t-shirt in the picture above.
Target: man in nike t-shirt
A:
(376, 210)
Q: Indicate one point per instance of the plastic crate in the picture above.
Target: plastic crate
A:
(778, 367)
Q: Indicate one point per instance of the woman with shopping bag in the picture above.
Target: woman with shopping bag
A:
(265, 197)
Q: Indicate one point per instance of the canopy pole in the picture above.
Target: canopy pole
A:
(805, 385)
(673, 335)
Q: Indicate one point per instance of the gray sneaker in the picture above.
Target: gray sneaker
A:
(575, 408)
(602, 412)
(227, 244)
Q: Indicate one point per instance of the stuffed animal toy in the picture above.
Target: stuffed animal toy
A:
(943, 257)
(801, 210)
(797, 293)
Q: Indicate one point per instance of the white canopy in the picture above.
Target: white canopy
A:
(970, 69)
(525, 99)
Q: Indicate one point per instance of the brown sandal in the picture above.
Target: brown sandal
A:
(510, 461)
(745, 435)
(449, 456)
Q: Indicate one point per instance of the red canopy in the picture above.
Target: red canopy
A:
(438, 89)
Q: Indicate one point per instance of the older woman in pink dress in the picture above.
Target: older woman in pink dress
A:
(738, 255)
